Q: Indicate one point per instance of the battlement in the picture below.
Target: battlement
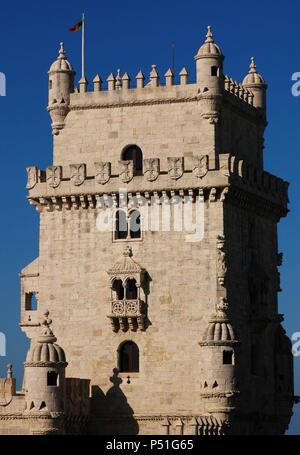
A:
(79, 186)
(119, 91)
(238, 90)
(210, 90)
(117, 82)
(150, 93)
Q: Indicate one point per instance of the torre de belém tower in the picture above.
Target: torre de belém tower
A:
(159, 332)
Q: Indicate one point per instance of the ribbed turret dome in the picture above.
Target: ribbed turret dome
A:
(253, 77)
(61, 64)
(125, 265)
(44, 348)
(209, 46)
(46, 352)
(219, 327)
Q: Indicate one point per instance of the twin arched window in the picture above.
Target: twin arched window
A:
(129, 292)
(135, 154)
(127, 225)
(128, 357)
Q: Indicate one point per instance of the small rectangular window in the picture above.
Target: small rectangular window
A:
(52, 378)
(30, 301)
(228, 358)
(214, 71)
(50, 85)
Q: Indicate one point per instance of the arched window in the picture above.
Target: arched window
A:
(131, 290)
(135, 154)
(135, 224)
(118, 288)
(127, 226)
(121, 230)
(129, 357)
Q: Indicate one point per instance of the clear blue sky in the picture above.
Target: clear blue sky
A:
(131, 36)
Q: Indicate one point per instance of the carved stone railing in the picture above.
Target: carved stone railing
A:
(127, 315)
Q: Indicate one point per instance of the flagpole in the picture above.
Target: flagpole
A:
(82, 48)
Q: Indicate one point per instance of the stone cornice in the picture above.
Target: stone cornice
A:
(118, 104)
(173, 418)
(219, 343)
(235, 181)
(74, 180)
(161, 94)
(228, 194)
(45, 364)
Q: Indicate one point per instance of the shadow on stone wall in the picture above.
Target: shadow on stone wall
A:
(111, 413)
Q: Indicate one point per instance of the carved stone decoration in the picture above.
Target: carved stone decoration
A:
(127, 312)
(5, 393)
(221, 260)
(175, 167)
(152, 167)
(32, 177)
(212, 117)
(126, 173)
(53, 176)
(225, 166)
(200, 166)
(210, 106)
(78, 174)
(102, 172)
(7, 387)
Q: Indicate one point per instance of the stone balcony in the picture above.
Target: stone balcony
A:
(127, 315)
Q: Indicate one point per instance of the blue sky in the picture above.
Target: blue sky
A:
(131, 36)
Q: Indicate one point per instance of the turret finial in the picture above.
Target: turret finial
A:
(118, 80)
(127, 252)
(46, 334)
(9, 373)
(209, 36)
(45, 324)
(62, 54)
(253, 66)
(222, 307)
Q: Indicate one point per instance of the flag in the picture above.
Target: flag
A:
(76, 27)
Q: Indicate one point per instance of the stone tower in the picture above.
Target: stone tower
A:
(61, 85)
(174, 323)
(45, 372)
(49, 403)
(45, 389)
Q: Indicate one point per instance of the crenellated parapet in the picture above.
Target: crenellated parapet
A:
(116, 82)
(238, 90)
(79, 185)
(210, 89)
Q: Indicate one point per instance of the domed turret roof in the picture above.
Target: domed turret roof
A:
(126, 264)
(46, 352)
(253, 77)
(61, 64)
(209, 47)
(44, 349)
(219, 327)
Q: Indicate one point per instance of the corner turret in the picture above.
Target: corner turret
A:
(257, 85)
(220, 360)
(61, 85)
(209, 65)
(45, 373)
